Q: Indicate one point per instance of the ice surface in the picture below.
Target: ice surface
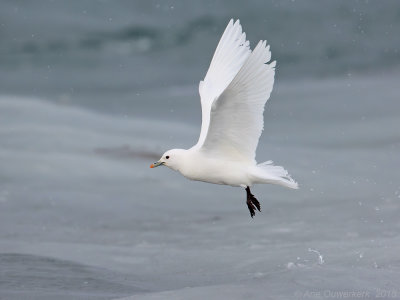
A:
(109, 226)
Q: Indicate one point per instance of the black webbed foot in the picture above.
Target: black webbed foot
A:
(252, 203)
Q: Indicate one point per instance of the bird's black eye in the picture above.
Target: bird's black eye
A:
(167, 157)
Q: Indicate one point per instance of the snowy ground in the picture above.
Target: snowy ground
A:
(82, 216)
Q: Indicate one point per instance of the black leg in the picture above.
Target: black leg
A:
(252, 203)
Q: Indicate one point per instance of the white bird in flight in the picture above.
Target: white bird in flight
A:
(233, 94)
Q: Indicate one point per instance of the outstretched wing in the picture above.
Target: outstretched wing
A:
(230, 55)
(236, 117)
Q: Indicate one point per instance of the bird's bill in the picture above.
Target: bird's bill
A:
(156, 164)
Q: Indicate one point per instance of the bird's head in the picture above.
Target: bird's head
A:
(172, 159)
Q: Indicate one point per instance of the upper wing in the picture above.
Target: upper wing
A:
(230, 55)
(236, 119)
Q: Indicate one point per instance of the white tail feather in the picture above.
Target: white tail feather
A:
(268, 173)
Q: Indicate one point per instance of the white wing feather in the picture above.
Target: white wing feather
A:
(236, 119)
(232, 51)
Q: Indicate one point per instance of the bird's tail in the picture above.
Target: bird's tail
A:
(266, 172)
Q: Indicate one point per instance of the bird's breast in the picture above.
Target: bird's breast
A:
(216, 172)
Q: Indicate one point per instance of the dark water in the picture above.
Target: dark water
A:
(92, 92)
(108, 55)
(50, 278)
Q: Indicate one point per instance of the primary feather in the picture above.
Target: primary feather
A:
(236, 120)
(232, 51)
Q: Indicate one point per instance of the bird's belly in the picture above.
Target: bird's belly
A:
(232, 175)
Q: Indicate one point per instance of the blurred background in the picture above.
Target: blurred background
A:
(92, 92)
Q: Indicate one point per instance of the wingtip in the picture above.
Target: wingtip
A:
(260, 44)
(235, 23)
